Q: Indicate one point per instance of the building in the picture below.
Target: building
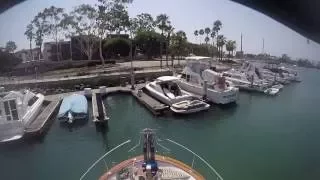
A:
(72, 49)
(239, 54)
(67, 50)
(50, 51)
(78, 54)
(25, 55)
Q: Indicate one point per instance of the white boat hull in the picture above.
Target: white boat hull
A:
(223, 97)
(189, 111)
(272, 91)
(15, 129)
(184, 103)
(164, 99)
(34, 110)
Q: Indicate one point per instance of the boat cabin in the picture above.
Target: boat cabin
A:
(198, 64)
(14, 104)
(169, 87)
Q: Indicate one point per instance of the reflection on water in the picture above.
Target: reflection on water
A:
(75, 125)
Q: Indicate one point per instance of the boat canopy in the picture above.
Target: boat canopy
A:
(198, 58)
(75, 103)
(167, 78)
(210, 76)
(198, 63)
(192, 76)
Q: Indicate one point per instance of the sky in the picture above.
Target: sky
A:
(186, 15)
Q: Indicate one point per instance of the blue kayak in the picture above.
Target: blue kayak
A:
(73, 107)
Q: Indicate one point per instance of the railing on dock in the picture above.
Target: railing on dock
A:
(171, 149)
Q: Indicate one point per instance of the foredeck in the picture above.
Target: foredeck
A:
(160, 159)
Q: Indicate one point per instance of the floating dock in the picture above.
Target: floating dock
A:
(37, 126)
(156, 107)
(99, 113)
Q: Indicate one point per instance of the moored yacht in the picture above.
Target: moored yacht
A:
(245, 81)
(272, 91)
(167, 91)
(290, 74)
(197, 78)
(17, 110)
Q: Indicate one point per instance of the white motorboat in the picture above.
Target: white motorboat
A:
(271, 91)
(241, 80)
(167, 91)
(273, 77)
(197, 78)
(290, 74)
(278, 86)
(17, 110)
(187, 107)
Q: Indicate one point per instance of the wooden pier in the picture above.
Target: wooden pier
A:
(38, 125)
(156, 107)
(99, 113)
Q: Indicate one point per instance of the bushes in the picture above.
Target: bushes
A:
(113, 47)
(149, 42)
(8, 61)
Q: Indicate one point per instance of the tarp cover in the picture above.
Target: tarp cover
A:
(75, 103)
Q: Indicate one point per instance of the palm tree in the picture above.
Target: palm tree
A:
(207, 31)
(212, 35)
(221, 41)
(182, 39)
(206, 39)
(162, 22)
(230, 46)
(30, 34)
(234, 46)
(217, 25)
(169, 31)
(196, 33)
(201, 32)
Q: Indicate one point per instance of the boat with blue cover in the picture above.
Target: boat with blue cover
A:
(73, 107)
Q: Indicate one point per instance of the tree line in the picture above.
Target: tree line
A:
(213, 33)
(91, 26)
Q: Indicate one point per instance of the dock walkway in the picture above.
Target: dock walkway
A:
(39, 123)
(152, 104)
(156, 107)
(98, 109)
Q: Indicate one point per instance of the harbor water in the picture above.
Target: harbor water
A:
(260, 138)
